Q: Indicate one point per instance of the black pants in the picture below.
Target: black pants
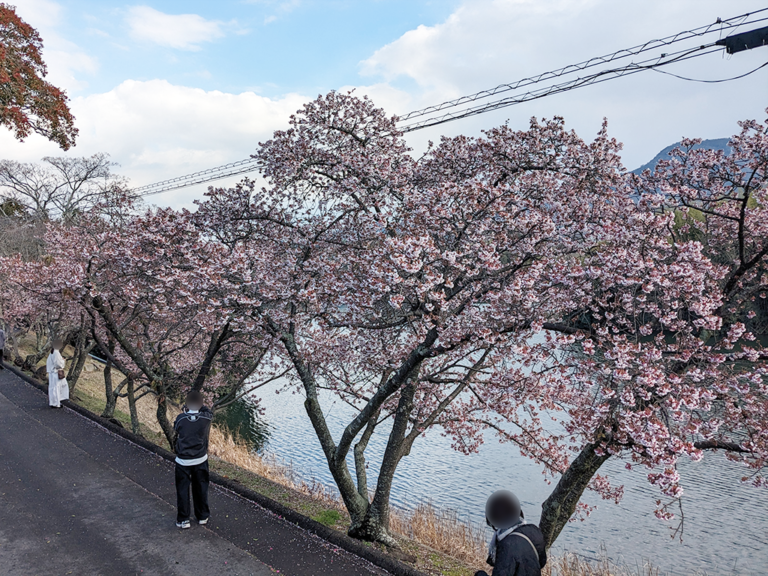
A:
(197, 476)
(2, 358)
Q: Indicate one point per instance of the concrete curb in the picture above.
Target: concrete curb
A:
(335, 537)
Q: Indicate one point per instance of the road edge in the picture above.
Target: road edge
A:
(335, 537)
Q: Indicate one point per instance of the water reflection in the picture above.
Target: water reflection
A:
(243, 422)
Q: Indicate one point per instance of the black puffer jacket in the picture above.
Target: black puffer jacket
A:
(516, 557)
(192, 434)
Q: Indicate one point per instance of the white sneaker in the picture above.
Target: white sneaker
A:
(203, 522)
(184, 524)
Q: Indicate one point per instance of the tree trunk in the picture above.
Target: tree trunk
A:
(31, 360)
(216, 342)
(362, 475)
(132, 408)
(356, 505)
(43, 339)
(78, 346)
(374, 526)
(13, 350)
(162, 419)
(111, 394)
(109, 407)
(76, 367)
(561, 504)
(337, 464)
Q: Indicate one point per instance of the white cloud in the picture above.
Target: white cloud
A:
(181, 31)
(157, 130)
(488, 42)
(278, 7)
(42, 14)
(482, 39)
(66, 61)
(66, 65)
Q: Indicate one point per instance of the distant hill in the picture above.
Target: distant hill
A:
(715, 144)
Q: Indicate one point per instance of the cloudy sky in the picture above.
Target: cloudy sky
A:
(168, 88)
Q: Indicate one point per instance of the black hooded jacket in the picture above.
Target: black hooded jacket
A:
(192, 434)
(516, 557)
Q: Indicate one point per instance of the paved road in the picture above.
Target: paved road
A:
(77, 499)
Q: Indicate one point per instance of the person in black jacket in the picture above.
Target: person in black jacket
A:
(192, 427)
(516, 548)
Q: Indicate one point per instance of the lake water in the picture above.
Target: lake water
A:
(726, 522)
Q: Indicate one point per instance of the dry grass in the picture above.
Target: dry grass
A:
(233, 450)
(574, 565)
(442, 530)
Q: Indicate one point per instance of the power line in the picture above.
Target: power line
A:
(627, 52)
(250, 164)
(714, 81)
(596, 78)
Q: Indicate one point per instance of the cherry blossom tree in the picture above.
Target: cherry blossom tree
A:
(28, 305)
(720, 199)
(158, 313)
(673, 368)
(155, 287)
(18, 235)
(61, 189)
(405, 286)
(27, 102)
(415, 289)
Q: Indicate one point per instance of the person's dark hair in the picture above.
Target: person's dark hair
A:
(194, 398)
(57, 344)
(503, 510)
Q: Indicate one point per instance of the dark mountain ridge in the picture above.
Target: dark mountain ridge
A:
(713, 144)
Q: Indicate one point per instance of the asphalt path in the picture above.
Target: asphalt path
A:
(77, 499)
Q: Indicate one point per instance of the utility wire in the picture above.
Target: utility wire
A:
(596, 78)
(713, 81)
(251, 164)
(625, 53)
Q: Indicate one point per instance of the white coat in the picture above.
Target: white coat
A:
(58, 390)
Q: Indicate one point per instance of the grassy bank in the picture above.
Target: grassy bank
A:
(436, 541)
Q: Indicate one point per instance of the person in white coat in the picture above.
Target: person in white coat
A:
(58, 388)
